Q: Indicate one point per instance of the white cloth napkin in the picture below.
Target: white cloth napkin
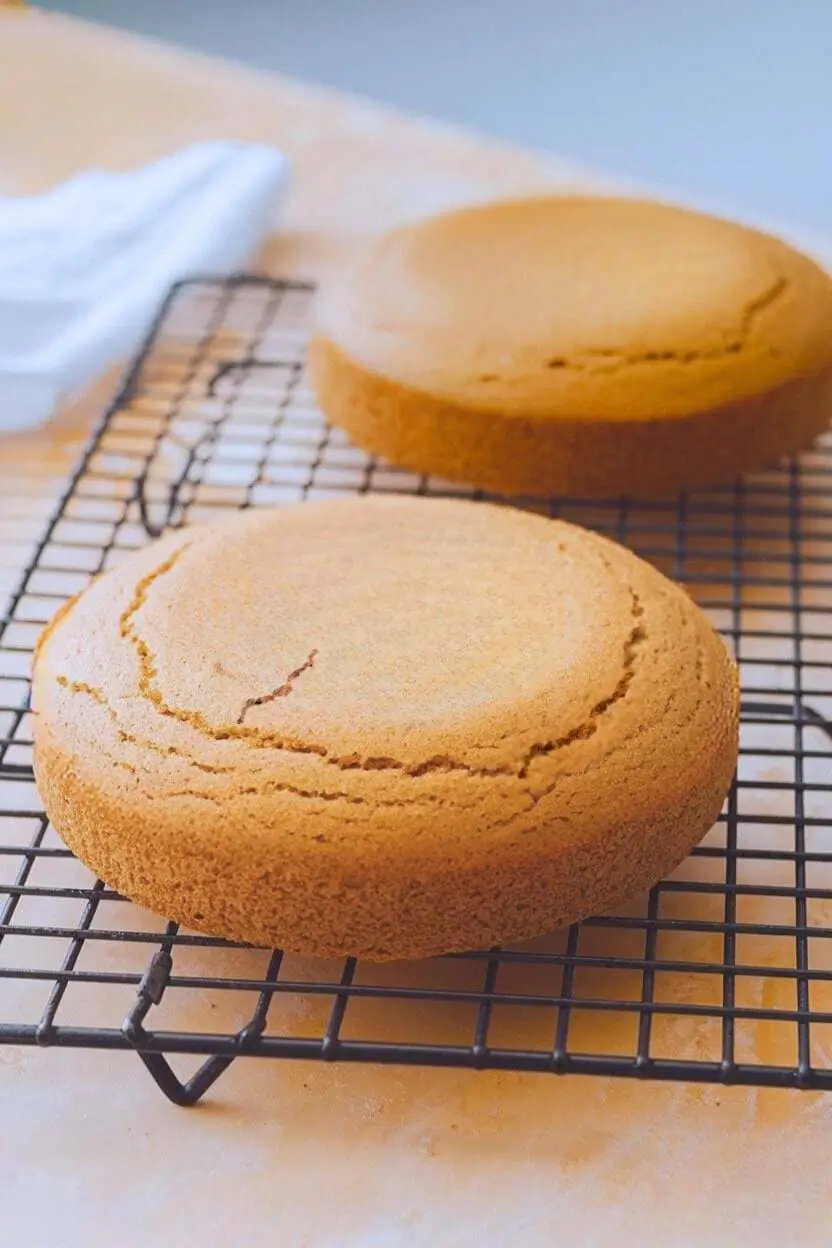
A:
(84, 267)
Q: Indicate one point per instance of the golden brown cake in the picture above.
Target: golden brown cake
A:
(387, 727)
(577, 346)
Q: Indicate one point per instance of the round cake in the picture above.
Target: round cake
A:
(585, 346)
(388, 727)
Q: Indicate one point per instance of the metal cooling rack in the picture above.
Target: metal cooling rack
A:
(722, 973)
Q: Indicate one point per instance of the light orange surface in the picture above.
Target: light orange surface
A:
(346, 1156)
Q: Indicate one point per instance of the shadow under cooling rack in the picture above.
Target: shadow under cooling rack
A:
(722, 973)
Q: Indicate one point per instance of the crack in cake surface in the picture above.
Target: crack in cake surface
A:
(613, 360)
(260, 738)
(282, 691)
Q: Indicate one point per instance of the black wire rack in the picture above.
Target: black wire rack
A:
(722, 973)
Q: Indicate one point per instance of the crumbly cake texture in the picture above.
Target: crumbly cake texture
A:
(389, 727)
(577, 345)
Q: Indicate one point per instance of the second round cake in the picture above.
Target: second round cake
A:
(569, 345)
(383, 727)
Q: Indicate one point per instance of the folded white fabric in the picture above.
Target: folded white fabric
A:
(84, 267)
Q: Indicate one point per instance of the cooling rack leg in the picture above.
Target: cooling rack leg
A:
(150, 993)
(175, 1090)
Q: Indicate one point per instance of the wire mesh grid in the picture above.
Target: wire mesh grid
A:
(722, 973)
